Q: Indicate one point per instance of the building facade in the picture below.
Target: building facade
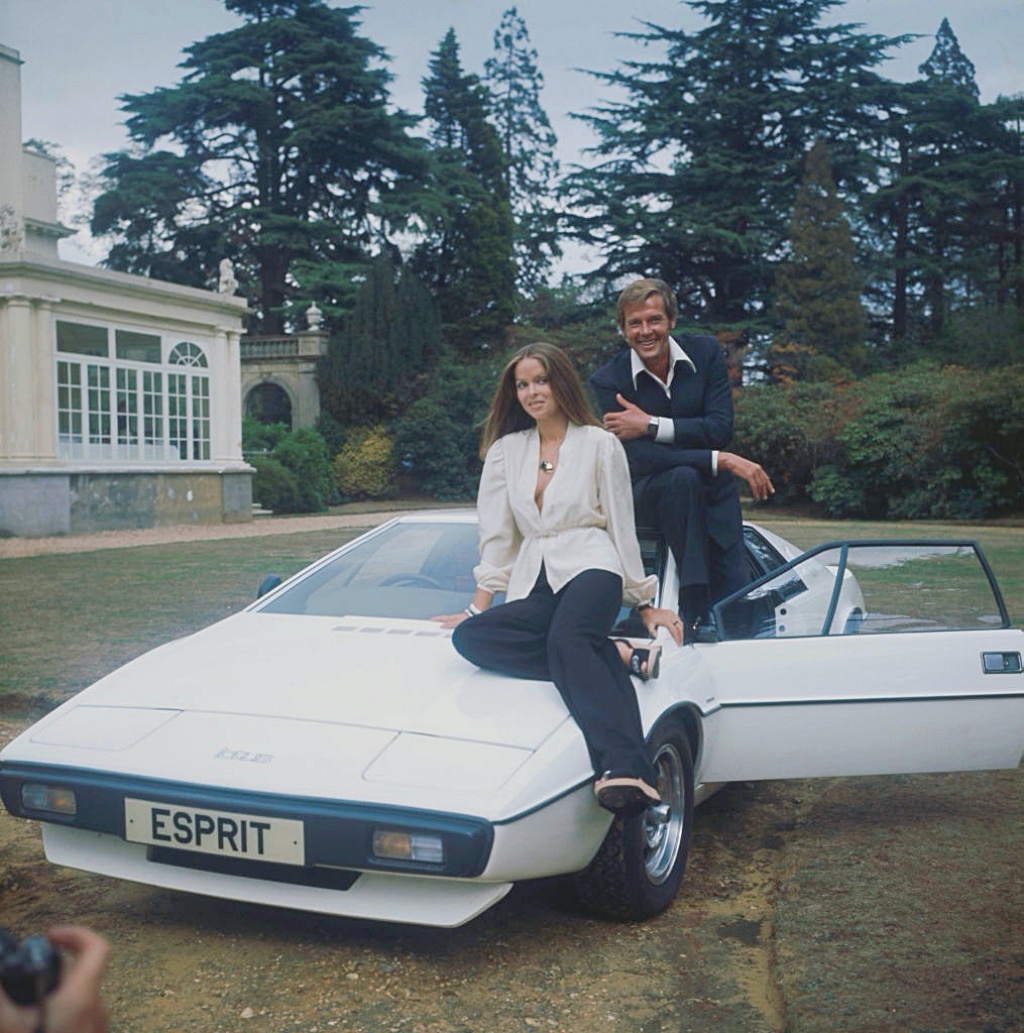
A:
(120, 401)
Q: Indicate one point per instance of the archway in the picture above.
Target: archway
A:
(269, 403)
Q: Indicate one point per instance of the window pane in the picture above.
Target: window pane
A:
(127, 407)
(81, 339)
(137, 347)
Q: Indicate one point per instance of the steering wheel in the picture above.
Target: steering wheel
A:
(410, 579)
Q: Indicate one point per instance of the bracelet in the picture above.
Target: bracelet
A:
(472, 611)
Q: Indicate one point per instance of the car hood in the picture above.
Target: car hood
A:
(357, 708)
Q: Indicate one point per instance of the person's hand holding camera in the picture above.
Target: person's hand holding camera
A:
(74, 1005)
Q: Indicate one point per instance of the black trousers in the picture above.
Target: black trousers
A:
(563, 637)
(703, 526)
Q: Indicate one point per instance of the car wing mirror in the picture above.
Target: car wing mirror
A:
(268, 584)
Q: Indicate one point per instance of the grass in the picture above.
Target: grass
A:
(68, 619)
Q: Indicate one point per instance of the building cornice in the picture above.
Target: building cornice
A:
(106, 281)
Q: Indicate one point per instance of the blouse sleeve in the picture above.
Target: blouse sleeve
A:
(499, 534)
(616, 494)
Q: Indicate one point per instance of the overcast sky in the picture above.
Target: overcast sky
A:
(80, 55)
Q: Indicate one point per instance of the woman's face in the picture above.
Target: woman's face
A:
(533, 389)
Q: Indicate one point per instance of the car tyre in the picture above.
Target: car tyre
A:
(637, 870)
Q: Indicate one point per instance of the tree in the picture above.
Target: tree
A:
(465, 256)
(528, 148)
(947, 208)
(818, 285)
(277, 149)
(378, 363)
(698, 169)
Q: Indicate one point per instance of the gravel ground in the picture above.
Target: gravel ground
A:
(881, 905)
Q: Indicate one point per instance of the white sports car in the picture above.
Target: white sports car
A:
(327, 750)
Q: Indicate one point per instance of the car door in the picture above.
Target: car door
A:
(906, 662)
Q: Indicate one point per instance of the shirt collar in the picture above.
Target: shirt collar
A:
(675, 355)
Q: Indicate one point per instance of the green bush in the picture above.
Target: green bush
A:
(439, 454)
(365, 466)
(274, 486)
(791, 431)
(260, 438)
(304, 453)
(928, 443)
(296, 476)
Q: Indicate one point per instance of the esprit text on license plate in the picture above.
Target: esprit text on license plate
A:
(253, 837)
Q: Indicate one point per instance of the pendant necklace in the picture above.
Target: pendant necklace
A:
(546, 466)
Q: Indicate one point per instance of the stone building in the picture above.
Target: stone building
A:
(120, 401)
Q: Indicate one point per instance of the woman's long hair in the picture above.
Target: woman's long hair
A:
(506, 415)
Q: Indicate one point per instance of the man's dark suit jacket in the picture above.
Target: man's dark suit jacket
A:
(701, 410)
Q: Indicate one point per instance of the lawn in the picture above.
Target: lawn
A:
(70, 618)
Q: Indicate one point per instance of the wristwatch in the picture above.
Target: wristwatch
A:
(652, 426)
(640, 607)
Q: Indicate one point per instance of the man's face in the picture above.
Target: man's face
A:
(646, 327)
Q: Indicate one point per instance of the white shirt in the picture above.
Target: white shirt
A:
(666, 430)
(586, 521)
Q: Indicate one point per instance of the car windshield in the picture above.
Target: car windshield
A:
(413, 570)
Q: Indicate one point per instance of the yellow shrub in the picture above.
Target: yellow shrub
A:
(365, 466)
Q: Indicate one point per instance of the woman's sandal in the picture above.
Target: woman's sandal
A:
(644, 661)
(625, 795)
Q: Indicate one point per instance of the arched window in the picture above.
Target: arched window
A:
(187, 354)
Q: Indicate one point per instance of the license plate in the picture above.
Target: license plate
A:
(249, 836)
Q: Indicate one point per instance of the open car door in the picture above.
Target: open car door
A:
(865, 657)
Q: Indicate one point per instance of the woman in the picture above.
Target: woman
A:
(555, 508)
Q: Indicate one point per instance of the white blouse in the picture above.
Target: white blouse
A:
(586, 522)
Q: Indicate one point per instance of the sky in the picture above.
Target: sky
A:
(81, 55)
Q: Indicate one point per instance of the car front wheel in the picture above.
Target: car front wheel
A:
(637, 870)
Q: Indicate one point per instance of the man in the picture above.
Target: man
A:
(670, 405)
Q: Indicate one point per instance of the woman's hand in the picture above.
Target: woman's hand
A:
(449, 620)
(655, 617)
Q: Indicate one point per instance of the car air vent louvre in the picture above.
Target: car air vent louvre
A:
(372, 629)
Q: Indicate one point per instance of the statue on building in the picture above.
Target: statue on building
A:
(228, 283)
(314, 317)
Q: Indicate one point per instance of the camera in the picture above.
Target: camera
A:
(29, 970)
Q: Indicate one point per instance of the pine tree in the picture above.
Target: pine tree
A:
(697, 170)
(277, 149)
(466, 252)
(941, 207)
(528, 147)
(818, 285)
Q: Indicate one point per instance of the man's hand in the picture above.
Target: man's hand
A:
(753, 473)
(630, 422)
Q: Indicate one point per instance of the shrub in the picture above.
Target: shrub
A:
(274, 486)
(441, 455)
(261, 438)
(365, 466)
(304, 453)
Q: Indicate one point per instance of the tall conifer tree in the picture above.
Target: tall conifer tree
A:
(697, 170)
(466, 253)
(818, 285)
(528, 145)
